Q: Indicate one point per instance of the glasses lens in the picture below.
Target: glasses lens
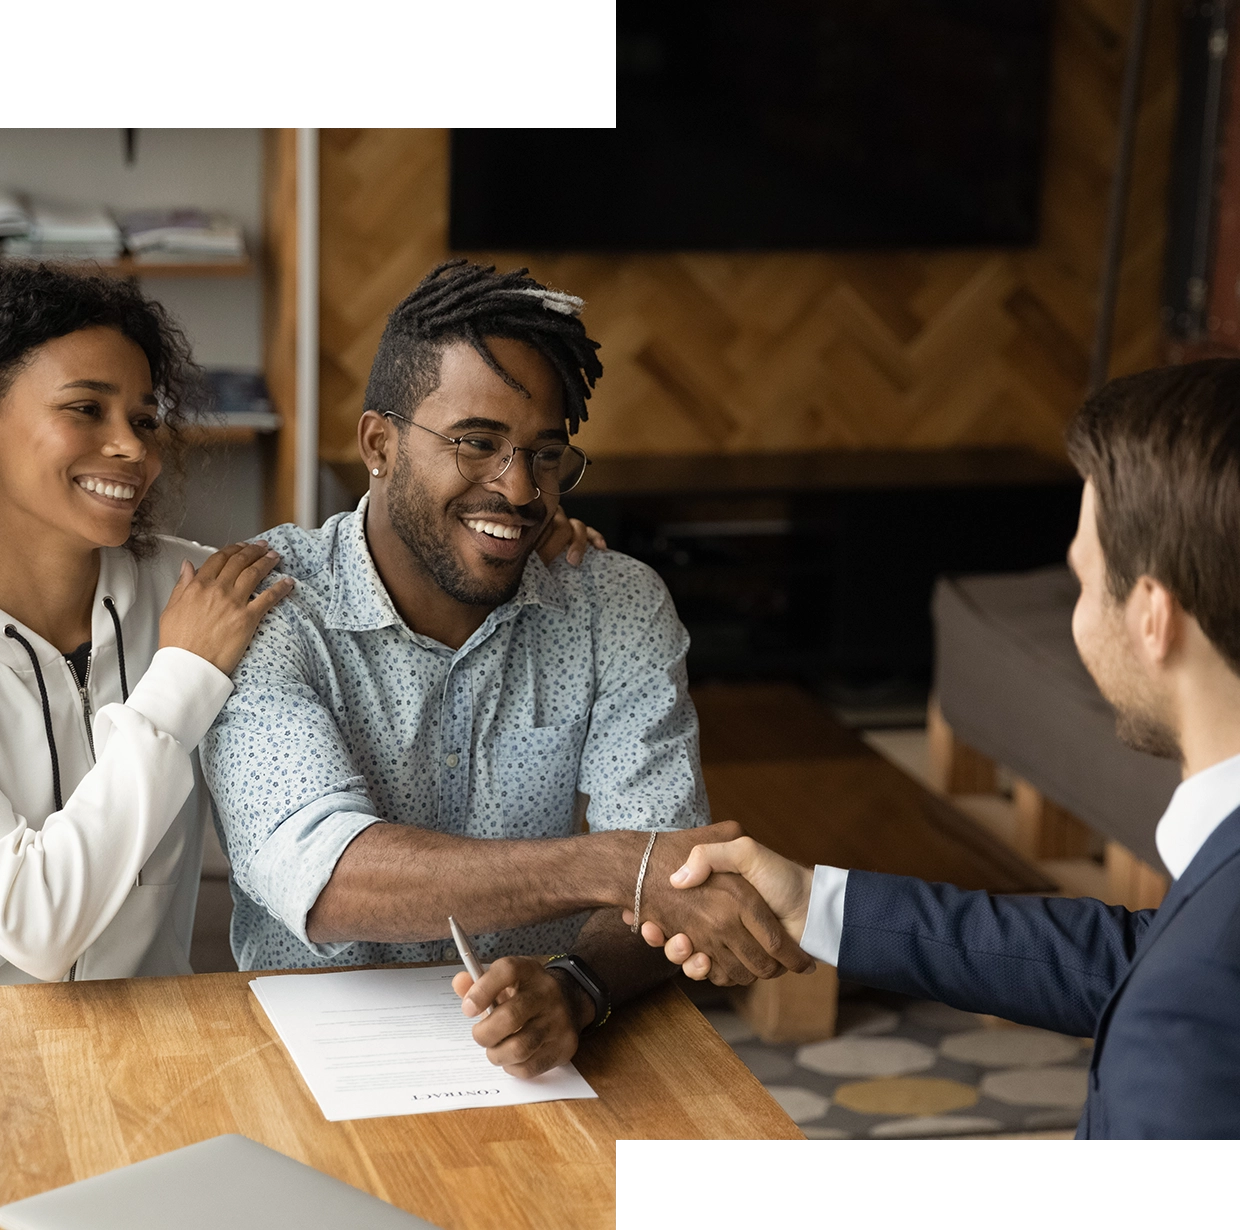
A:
(482, 457)
(561, 465)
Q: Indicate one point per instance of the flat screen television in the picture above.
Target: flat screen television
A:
(782, 124)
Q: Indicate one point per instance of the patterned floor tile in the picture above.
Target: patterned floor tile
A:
(1009, 1048)
(1058, 1086)
(766, 1063)
(953, 1092)
(905, 1095)
(866, 1057)
(934, 1126)
(800, 1104)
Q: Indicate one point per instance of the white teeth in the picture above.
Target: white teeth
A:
(113, 491)
(496, 531)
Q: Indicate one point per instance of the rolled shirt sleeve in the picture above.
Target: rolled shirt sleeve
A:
(287, 795)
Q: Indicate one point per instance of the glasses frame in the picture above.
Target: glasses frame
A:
(516, 448)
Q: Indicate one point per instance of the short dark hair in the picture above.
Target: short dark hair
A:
(1162, 449)
(459, 301)
(40, 302)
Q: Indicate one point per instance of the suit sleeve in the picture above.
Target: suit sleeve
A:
(1051, 962)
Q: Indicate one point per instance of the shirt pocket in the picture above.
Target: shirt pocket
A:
(538, 771)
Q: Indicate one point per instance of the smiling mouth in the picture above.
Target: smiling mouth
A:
(120, 493)
(494, 529)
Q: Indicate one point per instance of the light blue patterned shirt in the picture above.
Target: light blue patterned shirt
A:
(342, 716)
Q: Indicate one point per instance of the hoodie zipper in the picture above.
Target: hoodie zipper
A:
(90, 739)
(86, 713)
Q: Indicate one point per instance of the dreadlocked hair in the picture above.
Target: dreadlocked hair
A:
(459, 301)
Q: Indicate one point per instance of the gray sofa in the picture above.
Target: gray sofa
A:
(1010, 684)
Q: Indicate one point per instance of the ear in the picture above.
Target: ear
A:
(1155, 621)
(377, 441)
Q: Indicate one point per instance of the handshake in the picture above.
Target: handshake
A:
(731, 911)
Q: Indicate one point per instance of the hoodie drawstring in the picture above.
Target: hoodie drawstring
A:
(12, 632)
(120, 646)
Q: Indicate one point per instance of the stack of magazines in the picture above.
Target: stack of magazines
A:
(176, 236)
(45, 229)
(55, 230)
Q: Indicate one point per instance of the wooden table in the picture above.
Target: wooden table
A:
(94, 1075)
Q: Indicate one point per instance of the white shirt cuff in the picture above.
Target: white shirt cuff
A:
(181, 694)
(824, 923)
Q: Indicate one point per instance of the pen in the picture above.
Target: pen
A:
(466, 949)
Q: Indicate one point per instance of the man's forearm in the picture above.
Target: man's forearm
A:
(624, 961)
(396, 883)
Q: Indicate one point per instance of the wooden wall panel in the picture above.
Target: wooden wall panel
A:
(725, 353)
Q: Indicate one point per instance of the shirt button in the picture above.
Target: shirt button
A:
(452, 760)
(450, 953)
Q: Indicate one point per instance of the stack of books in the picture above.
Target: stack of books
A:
(239, 398)
(14, 220)
(45, 229)
(56, 230)
(180, 236)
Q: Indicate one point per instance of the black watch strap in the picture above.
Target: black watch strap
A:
(589, 982)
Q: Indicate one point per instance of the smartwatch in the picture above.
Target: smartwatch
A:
(589, 982)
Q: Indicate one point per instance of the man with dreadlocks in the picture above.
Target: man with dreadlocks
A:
(432, 696)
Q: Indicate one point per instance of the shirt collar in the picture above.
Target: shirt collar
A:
(1200, 804)
(360, 601)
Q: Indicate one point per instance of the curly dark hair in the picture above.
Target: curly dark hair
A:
(40, 302)
(459, 301)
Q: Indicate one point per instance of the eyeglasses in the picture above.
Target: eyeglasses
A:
(484, 456)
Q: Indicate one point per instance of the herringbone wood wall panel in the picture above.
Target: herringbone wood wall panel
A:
(728, 353)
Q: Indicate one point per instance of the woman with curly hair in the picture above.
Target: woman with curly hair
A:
(117, 642)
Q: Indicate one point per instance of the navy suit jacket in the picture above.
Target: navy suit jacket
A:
(1158, 990)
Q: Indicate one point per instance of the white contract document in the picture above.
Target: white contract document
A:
(372, 1042)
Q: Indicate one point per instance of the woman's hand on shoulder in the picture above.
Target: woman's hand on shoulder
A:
(565, 533)
(213, 611)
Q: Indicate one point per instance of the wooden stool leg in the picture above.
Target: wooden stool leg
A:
(1132, 883)
(794, 1008)
(1044, 829)
(955, 767)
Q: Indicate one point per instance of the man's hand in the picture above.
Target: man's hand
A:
(535, 1015)
(784, 885)
(737, 935)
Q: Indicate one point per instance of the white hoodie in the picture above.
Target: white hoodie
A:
(104, 886)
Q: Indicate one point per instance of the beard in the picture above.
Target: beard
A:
(422, 531)
(1144, 732)
(1139, 717)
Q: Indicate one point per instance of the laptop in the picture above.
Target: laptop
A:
(228, 1181)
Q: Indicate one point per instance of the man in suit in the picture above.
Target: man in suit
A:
(1157, 554)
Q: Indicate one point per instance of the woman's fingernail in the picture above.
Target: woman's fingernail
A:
(273, 555)
(679, 877)
(469, 1008)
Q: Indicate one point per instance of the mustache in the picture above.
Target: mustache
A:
(532, 513)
